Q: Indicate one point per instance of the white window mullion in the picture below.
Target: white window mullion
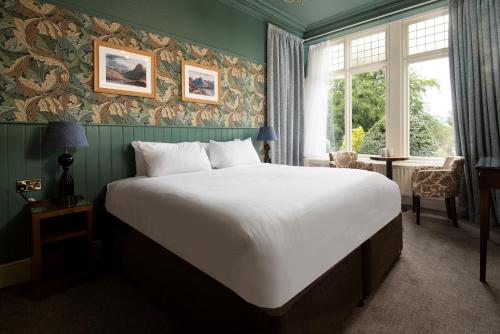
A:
(348, 96)
(396, 125)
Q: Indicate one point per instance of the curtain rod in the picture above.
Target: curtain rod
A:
(370, 20)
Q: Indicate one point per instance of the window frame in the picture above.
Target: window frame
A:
(396, 66)
(349, 71)
(412, 59)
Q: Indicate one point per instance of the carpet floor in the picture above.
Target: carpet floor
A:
(433, 288)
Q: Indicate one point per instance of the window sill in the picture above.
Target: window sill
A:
(412, 162)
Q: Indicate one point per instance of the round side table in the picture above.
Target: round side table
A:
(388, 163)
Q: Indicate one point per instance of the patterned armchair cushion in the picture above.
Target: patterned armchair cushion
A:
(419, 168)
(348, 160)
(439, 182)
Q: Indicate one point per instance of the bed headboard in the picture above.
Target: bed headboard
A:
(109, 157)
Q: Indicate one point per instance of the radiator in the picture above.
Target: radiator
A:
(400, 174)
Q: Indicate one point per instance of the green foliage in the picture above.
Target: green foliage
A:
(374, 140)
(358, 134)
(368, 99)
(429, 136)
(422, 140)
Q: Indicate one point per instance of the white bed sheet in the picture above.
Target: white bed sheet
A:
(264, 231)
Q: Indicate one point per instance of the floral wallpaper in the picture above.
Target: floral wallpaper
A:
(46, 66)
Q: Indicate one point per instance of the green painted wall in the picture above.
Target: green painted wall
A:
(205, 22)
(108, 157)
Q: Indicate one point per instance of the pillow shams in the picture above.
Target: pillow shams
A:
(232, 153)
(165, 159)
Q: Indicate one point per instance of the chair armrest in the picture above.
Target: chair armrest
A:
(419, 168)
(436, 183)
(431, 176)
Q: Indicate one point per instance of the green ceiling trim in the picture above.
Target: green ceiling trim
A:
(264, 11)
(358, 14)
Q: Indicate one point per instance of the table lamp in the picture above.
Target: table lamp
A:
(65, 135)
(266, 133)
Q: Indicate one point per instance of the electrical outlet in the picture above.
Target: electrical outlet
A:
(28, 185)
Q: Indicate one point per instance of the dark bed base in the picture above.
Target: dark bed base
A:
(200, 304)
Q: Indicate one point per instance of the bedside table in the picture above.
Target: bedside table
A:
(62, 237)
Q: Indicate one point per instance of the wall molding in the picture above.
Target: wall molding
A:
(358, 14)
(15, 272)
(264, 11)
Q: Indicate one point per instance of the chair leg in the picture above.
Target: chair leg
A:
(417, 208)
(448, 208)
(453, 211)
(413, 200)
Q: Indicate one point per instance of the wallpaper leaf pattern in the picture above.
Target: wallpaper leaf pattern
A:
(46, 66)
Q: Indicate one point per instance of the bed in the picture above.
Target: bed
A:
(258, 249)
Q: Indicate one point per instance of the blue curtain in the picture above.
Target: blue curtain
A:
(475, 78)
(285, 95)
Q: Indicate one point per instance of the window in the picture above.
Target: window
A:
(335, 137)
(392, 92)
(429, 94)
(369, 49)
(361, 126)
(368, 112)
(431, 121)
(336, 57)
(428, 35)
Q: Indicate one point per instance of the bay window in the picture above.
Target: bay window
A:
(388, 87)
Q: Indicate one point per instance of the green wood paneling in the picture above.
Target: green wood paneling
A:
(109, 157)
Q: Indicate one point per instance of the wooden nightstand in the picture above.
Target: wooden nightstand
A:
(62, 239)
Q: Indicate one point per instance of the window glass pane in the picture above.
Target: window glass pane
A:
(336, 57)
(369, 49)
(368, 112)
(336, 113)
(428, 35)
(431, 121)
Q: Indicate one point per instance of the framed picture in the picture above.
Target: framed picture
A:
(200, 83)
(122, 70)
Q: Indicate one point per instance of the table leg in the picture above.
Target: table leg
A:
(388, 169)
(485, 198)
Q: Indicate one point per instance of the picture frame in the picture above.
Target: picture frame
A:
(123, 70)
(200, 83)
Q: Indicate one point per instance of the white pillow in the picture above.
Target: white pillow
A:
(165, 159)
(140, 164)
(232, 153)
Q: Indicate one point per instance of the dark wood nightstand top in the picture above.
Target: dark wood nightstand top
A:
(492, 163)
(53, 208)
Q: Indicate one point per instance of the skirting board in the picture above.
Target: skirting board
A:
(15, 272)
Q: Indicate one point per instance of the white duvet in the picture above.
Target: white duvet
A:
(264, 231)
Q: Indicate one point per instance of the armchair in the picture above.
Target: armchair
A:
(438, 182)
(348, 160)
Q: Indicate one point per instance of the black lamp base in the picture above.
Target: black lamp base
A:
(66, 184)
(267, 159)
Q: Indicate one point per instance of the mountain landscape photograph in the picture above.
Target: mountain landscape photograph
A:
(125, 70)
(201, 83)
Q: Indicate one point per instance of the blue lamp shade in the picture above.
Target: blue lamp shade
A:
(267, 133)
(64, 135)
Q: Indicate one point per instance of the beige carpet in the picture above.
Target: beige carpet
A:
(434, 288)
